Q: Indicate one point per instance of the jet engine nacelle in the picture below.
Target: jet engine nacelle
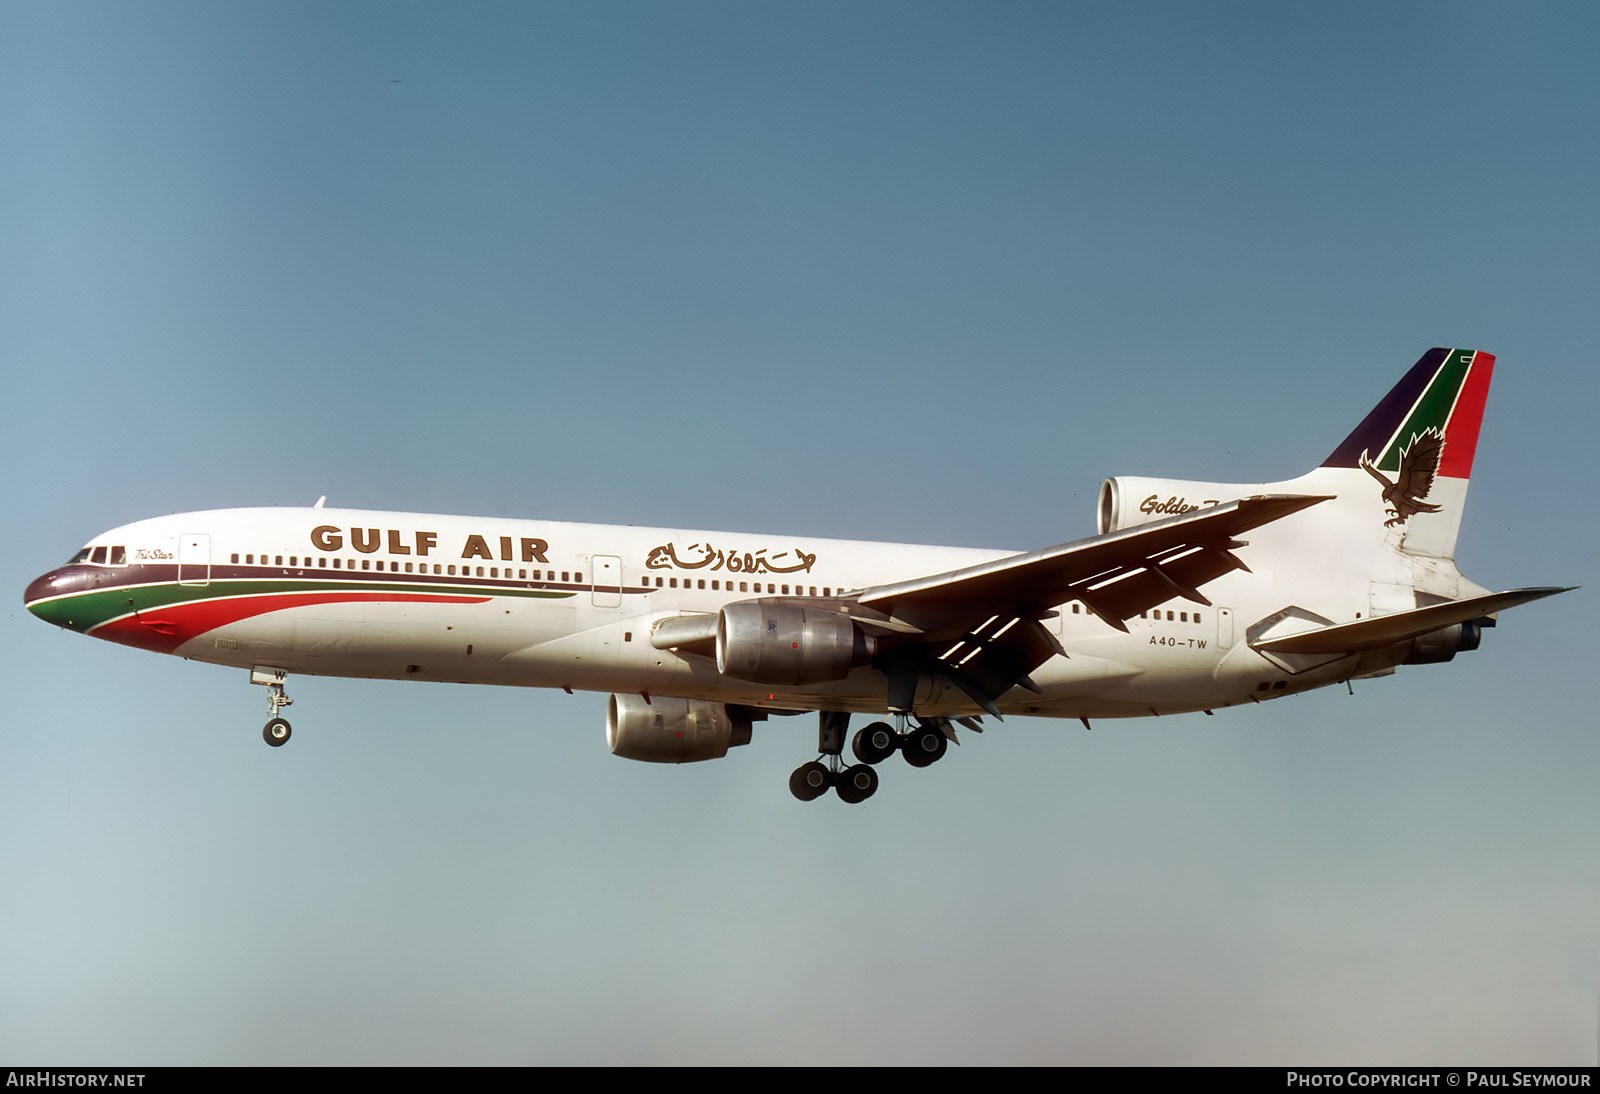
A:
(1126, 502)
(663, 730)
(775, 642)
(1437, 647)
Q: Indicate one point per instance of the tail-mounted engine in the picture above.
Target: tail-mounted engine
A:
(774, 642)
(1126, 502)
(663, 730)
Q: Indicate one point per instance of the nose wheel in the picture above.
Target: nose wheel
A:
(276, 731)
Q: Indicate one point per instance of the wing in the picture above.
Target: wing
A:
(980, 626)
(1117, 575)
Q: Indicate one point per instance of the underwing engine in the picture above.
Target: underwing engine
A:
(662, 730)
(774, 642)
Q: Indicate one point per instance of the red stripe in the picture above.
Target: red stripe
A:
(165, 629)
(1466, 419)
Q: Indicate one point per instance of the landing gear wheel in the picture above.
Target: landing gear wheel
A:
(856, 784)
(810, 781)
(875, 743)
(924, 746)
(276, 733)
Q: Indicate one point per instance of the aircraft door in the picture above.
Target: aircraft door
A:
(606, 592)
(194, 558)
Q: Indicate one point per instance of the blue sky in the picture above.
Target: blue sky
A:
(891, 271)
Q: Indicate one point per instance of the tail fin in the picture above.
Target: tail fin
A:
(1418, 445)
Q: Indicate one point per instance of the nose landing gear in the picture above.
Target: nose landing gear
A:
(276, 731)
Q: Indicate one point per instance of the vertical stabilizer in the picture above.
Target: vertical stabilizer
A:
(1418, 444)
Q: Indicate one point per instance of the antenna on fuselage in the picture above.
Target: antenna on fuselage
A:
(320, 502)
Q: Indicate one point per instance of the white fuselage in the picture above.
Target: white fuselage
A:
(342, 592)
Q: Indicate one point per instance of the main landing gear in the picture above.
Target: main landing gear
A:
(276, 731)
(921, 745)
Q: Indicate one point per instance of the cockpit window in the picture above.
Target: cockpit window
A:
(99, 556)
(119, 556)
(81, 556)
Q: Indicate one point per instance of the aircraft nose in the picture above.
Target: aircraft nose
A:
(39, 588)
(46, 589)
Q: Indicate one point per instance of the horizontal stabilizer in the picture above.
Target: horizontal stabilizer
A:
(1387, 630)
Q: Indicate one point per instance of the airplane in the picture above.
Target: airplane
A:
(1193, 596)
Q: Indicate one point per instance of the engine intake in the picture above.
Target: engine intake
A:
(1126, 502)
(672, 731)
(773, 642)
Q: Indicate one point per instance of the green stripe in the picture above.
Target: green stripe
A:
(85, 611)
(1433, 409)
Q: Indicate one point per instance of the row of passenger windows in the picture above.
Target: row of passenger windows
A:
(744, 586)
(447, 569)
(1155, 615)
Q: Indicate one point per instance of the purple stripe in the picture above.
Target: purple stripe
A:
(1377, 427)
